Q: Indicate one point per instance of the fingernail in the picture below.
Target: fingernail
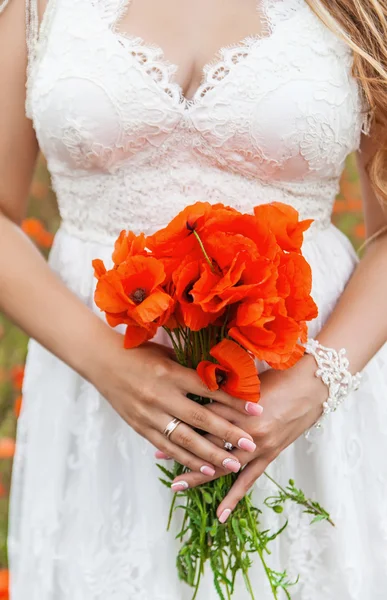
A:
(179, 486)
(225, 515)
(207, 471)
(253, 409)
(248, 445)
(231, 464)
(161, 455)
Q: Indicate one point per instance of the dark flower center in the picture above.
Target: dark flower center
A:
(138, 295)
(220, 376)
(191, 226)
(188, 297)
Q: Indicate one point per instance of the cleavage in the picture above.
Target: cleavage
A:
(191, 35)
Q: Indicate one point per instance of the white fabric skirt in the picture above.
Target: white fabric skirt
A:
(88, 513)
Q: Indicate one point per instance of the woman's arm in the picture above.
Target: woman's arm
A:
(144, 385)
(292, 399)
(361, 313)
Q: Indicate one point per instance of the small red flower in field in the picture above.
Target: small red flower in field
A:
(17, 406)
(282, 220)
(17, 376)
(4, 584)
(235, 371)
(3, 494)
(7, 447)
(36, 231)
(128, 244)
(131, 294)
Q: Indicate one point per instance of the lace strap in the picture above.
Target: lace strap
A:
(32, 31)
(3, 5)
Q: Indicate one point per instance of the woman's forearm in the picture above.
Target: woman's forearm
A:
(359, 321)
(38, 302)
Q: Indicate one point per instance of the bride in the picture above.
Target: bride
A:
(137, 119)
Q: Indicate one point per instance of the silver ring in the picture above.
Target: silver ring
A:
(227, 445)
(170, 428)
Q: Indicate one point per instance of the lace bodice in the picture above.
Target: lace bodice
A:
(274, 118)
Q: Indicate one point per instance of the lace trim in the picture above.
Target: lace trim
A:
(3, 5)
(163, 72)
(36, 36)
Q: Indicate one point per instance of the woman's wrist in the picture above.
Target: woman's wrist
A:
(96, 357)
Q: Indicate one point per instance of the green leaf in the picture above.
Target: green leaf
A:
(167, 473)
(166, 483)
(318, 518)
(278, 508)
(237, 530)
(214, 529)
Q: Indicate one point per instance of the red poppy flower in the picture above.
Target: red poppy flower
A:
(263, 328)
(18, 405)
(235, 371)
(17, 376)
(128, 244)
(283, 221)
(37, 232)
(295, 285)
(177, 239)
(132, 294)
(4, 584)
(256, 237)
(192, 275)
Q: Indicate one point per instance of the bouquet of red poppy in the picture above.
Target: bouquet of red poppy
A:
(228, 288)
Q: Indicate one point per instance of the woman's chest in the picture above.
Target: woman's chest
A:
(284, 105)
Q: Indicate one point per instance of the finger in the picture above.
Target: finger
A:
(201, 418)
(180, 455)
(241, 487)
(200, 446)
(191, 382)
(161, 455)
(195, 478)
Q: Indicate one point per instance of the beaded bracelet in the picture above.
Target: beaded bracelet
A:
(333, 370)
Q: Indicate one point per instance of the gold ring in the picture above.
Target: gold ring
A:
(170, 428)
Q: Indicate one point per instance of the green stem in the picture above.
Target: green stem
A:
(225, 575)
(171, 511)
(223, 330)
(306, 503)
(258, 548)
(204, 251)
(276, 484)
(248, 584)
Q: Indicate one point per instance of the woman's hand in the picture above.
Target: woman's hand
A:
(292, 402)
(148, 389)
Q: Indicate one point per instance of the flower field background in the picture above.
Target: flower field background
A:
(40, 225)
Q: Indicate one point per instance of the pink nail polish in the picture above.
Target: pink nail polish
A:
(179, 486)
(253, 409)
(207, 471)
(225, 515)
(160, 455)
(231, 464)
(248, 445)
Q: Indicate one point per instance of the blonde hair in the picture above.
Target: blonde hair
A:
(362, 24)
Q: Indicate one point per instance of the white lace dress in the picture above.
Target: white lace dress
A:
(274, 119)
